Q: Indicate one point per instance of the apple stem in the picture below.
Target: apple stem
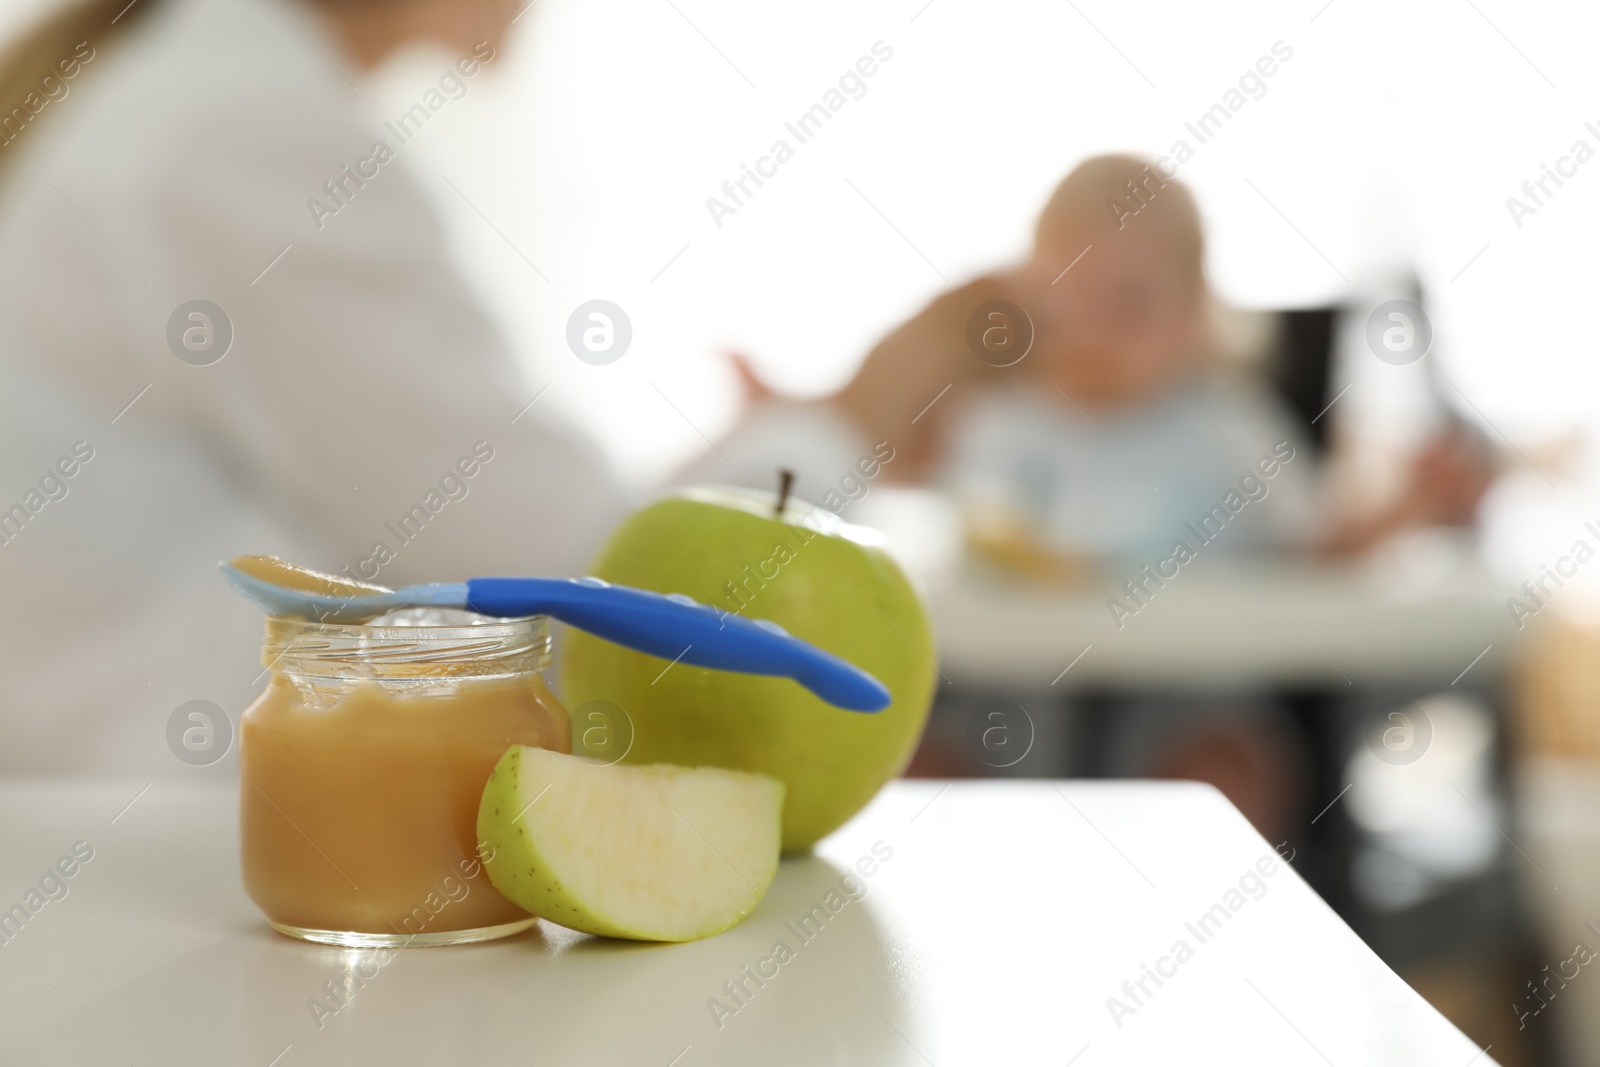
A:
(785, 482)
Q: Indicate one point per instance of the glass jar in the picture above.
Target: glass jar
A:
(361, 766)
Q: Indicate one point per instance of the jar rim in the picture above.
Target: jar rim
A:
(298, 646)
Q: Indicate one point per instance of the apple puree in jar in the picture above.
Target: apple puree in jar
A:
(361, 769)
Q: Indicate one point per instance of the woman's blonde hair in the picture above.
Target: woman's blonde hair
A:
(36, 68)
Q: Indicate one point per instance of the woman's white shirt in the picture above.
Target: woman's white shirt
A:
(366, 418)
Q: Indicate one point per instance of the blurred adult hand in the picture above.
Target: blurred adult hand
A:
(1449, 477)
(914, 380)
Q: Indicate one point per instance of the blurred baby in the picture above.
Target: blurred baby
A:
(1123, 435)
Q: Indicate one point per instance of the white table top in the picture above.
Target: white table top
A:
(1006, 917)
(1279, 625)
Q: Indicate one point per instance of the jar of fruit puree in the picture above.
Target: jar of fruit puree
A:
(361, 768)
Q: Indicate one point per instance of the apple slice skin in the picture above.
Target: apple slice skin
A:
(654, 853)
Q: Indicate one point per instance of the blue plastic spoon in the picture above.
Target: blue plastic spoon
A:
(672, 626)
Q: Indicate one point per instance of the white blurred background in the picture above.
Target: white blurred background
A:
(1393, 137)
(1391, 140)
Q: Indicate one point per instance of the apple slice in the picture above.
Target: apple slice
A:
(655, 853)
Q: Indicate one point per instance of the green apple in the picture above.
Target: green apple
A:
(824, 581)
(648, 853)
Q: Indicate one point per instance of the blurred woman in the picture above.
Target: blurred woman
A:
(227, 305)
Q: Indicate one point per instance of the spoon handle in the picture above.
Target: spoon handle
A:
(678, 628)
